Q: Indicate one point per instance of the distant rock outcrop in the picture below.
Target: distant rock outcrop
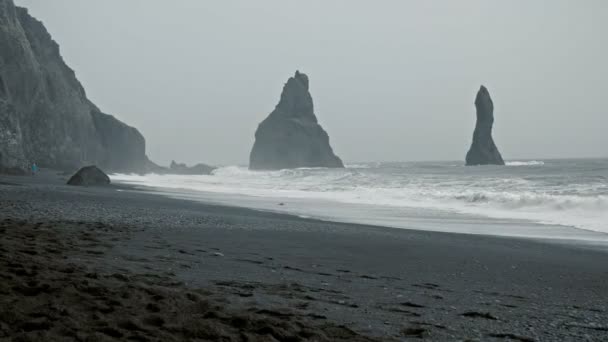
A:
(183, 169)
(178, 169)
(45, 116)
(291, 137)
(89, 176)
(483, 149)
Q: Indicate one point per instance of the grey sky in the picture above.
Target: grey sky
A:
(391, 80)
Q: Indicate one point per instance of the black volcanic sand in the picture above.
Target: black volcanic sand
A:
(97, 264)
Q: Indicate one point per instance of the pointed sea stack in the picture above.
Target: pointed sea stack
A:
(290, 137)
(483, 150)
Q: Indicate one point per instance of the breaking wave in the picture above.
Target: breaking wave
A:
(525, 163)
(562, 193)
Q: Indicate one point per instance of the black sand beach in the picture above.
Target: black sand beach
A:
(96, 264)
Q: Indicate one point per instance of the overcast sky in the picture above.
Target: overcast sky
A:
(391, 80)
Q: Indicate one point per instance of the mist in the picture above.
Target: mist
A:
(391, 80)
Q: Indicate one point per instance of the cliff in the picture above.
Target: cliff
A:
(291, 137)
(483, 150)
(45, 116)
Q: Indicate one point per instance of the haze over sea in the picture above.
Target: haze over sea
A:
(561, 199)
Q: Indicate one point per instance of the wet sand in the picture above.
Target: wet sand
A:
(95, 264)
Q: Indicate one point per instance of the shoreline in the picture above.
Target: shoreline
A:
(387, 283)
(414, 195)
(590, 239)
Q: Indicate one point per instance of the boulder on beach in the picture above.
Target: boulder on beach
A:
(483, 149)
(291, 137)
(89, 176)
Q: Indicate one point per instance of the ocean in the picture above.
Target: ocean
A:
(556, 199)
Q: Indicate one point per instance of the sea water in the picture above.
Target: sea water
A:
(562, 199)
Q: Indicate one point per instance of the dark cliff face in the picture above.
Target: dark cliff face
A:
(45, 115)
(483, 149)
(12, 157)
(290, 137)
(124, 148)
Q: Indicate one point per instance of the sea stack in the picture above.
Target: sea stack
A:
(483, 149)
(291, 137)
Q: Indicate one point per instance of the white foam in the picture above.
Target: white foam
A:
(525, 163)
(358, 166)
(581, 205)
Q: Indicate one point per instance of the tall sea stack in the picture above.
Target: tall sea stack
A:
(45, 116)
(290, 137)
(483, 150)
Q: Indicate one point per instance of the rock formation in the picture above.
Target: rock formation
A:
(45, 116)
(291, 137)
(483, 150)
(12, 157)
(124, 148)
(89, 176)
(183, 169)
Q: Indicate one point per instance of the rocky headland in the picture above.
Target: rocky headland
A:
(45, 115)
